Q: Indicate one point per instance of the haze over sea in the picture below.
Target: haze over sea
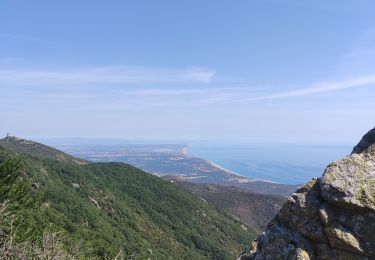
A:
(282, 163)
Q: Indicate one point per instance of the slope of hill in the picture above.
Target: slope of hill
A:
(112, 207)
(23, 146)
(332, 217)
(253, 209)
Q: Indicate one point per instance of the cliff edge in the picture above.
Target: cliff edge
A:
(332, 217)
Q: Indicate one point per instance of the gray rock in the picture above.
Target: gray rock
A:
(366, 141)
(350, 182)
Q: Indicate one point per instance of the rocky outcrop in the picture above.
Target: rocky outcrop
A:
(366, 141)
(332, 217)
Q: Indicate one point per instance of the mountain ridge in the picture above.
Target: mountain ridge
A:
(24, 146)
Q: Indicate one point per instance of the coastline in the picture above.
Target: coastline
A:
(223, 169)
(237, 175)
(185, 152)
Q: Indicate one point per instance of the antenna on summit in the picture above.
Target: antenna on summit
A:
(8, 135)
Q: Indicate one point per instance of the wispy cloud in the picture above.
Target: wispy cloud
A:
(315, 89)
(249, 94)
(89, 82)
(103, 75)
(19, 37)
(200, 74)
(16, 37)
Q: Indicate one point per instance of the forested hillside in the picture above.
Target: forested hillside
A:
(109, 209)
(253, 209)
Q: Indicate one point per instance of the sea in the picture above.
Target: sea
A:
(283, 163)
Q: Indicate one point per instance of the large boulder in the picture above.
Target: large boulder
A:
(332, 217)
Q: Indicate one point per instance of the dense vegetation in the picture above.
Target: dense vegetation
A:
(112, 208)
(19, 236)
(253, 209)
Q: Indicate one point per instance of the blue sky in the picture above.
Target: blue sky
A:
(287, 71)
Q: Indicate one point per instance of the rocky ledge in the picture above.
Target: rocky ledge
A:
(332, 217)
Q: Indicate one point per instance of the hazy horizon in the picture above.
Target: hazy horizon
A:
(186, 142)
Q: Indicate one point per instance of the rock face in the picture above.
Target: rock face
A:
(332, 217)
